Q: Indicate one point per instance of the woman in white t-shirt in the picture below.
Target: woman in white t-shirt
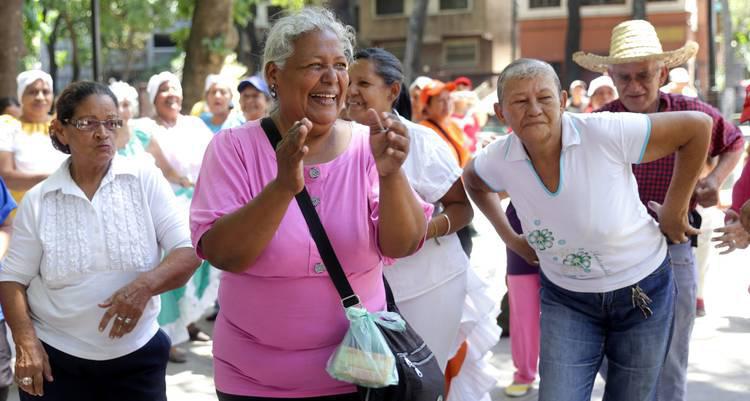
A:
(438, 277)
(607, 287)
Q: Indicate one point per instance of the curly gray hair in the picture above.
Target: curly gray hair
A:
(280, 41)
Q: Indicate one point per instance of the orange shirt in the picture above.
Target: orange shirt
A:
(453, 135)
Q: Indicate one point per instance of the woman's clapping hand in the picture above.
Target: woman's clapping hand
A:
(289, 154)
(389, 141)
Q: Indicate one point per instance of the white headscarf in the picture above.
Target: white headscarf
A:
(27, 78)
(156, 80)
(123, 91)
(218, 79)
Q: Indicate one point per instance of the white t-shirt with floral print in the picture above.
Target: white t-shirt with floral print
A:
(593, 234)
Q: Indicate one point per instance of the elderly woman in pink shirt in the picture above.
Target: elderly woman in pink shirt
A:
(280, 316)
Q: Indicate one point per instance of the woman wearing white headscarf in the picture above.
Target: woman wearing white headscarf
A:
(218, 96)
(132, 142)
(26, 153)
(183, 140)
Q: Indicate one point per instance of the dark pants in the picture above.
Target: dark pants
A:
(341, 397)
(138, 376)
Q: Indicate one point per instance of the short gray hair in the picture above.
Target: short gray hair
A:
(280, 41)
(525, 68)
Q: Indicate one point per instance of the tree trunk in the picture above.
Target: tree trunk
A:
(417, 21)
(212, 20)
(572, 42)
(731, 75)
(11, 35)
(73, 45)
(130, 50)
(249, 47)
(639, 9)
(51, 43)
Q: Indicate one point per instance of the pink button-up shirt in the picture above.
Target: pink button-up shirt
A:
(282, 318)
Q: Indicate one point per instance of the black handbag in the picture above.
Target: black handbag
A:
(420, 377)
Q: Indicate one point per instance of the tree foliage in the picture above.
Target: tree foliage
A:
(63, 29)
(740, 10)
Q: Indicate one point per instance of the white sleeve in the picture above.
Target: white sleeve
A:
(9, 128)
(488, 163)
(430, 167)
(623, 136)
(170, 223)
(23, 261)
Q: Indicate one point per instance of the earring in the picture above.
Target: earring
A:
(273, 91)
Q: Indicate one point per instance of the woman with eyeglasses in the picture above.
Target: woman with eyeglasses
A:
(26, 153)
(80, 284)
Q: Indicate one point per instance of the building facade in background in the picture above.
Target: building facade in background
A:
(461, 37)
(542, 25)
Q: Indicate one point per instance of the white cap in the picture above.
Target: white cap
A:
(679, 75)
(599, 82)
(420, 82)
(156, 80)
(27, 78)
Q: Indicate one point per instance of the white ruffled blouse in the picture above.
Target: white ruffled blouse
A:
(73, 253)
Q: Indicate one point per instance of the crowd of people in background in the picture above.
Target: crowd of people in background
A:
(131, 228)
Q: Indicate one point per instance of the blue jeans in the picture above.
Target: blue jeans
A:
(673, 379)
(579, 329)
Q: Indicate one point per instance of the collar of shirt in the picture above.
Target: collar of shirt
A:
(61, 179)
(514, 150)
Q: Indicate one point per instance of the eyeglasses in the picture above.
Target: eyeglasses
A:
(644, 77)
(90, 125)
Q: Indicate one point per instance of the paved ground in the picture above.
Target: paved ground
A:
(719, 362)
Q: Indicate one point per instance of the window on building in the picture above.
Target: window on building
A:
(601, 2)
(454, 5)
(461, 52)
(543, 3)
(389, 7)
(163, 40)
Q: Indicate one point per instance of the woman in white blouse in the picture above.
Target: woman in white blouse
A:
(184, 140)
(26, 153)
(80, 284)
(438, 277)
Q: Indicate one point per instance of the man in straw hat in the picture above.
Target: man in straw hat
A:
(639, 67)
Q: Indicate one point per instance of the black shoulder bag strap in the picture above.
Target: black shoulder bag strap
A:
(335, 271)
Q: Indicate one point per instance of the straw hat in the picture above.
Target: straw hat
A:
(635, 41)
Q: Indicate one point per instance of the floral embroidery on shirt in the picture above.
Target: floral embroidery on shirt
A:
(580, 259)
(541, 239)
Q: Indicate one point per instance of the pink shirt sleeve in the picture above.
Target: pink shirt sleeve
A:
(229, 190)
(741, 189)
